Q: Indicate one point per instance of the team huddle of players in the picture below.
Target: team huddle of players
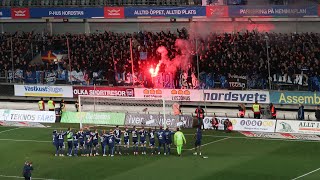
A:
(87, 143)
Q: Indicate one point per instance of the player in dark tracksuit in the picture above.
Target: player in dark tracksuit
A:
(75, 144)
(161, 141)
(151, 140)
(104, 142)
(126, 140)
(95, 143)
(81, 137)
(55, 141)
(168, 139)
(135, 142)
(117, 135)
(88, 142)
(111, 143)
(197, 144)
(61, 142)
(143, 135)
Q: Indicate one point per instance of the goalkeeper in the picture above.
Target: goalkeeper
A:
(179, 139)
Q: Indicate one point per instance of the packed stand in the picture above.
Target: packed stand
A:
(224, 59)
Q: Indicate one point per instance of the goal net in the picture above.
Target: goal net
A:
(131, 111)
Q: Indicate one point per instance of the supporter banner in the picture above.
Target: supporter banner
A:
(27, 116)
(301, 127)
(20, 13)
(207, 122)
(287, 97)
(282, 136)
(273, 11)
(173, 11)
(67, 12)
(217, 11)
(237, 82)
(5, 13)
(156, 120)
(114, 12)
(102, 91)
(169, 94)
(236, 96)
(105, 118)
(43, 91)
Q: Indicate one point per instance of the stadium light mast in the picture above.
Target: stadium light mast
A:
(268, 60)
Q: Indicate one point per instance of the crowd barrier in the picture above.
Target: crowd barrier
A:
(267, 125)
(160, 11)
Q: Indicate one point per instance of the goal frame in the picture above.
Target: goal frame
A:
(123, 97)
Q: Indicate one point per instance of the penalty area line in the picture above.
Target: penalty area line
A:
(299, 177)
(211, 142)
(19, 177)
(9, 130)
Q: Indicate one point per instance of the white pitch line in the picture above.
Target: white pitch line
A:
(19, 177)
(9, 130)
(306, 174)
(260, 138)
(211, 142)
(24, 140)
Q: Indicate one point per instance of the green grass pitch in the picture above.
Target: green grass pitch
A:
(230, 156)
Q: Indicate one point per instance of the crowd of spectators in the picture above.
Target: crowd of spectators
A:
(294, 58)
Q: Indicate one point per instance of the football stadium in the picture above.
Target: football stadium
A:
(159, 89)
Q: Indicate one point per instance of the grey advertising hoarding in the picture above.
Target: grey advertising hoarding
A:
(156, 120)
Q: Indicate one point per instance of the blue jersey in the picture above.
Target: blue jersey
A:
(111, 140)
(198, 135)
(75, 138)
(126, 136)
(168, 136)
(55, 138)
(143, 134)
(88, 137)
(160, 136)
(105, 138)
(61, 137)
(151, 138)
(81, 136)
(134, 135)
(117, 134)
(95, 137)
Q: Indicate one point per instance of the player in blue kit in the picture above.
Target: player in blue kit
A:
(126, 140)
(197, 144)
(143, 135)
(75, 144)
(135, 142)
(95, 142)
(161, 141)
(81, 137)
(151, 140)
(111, 143)
(168, 139)
(69, 140)
(61, 143)
(104, 142)
(117, 134)
(88, 142)
(55, 141)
